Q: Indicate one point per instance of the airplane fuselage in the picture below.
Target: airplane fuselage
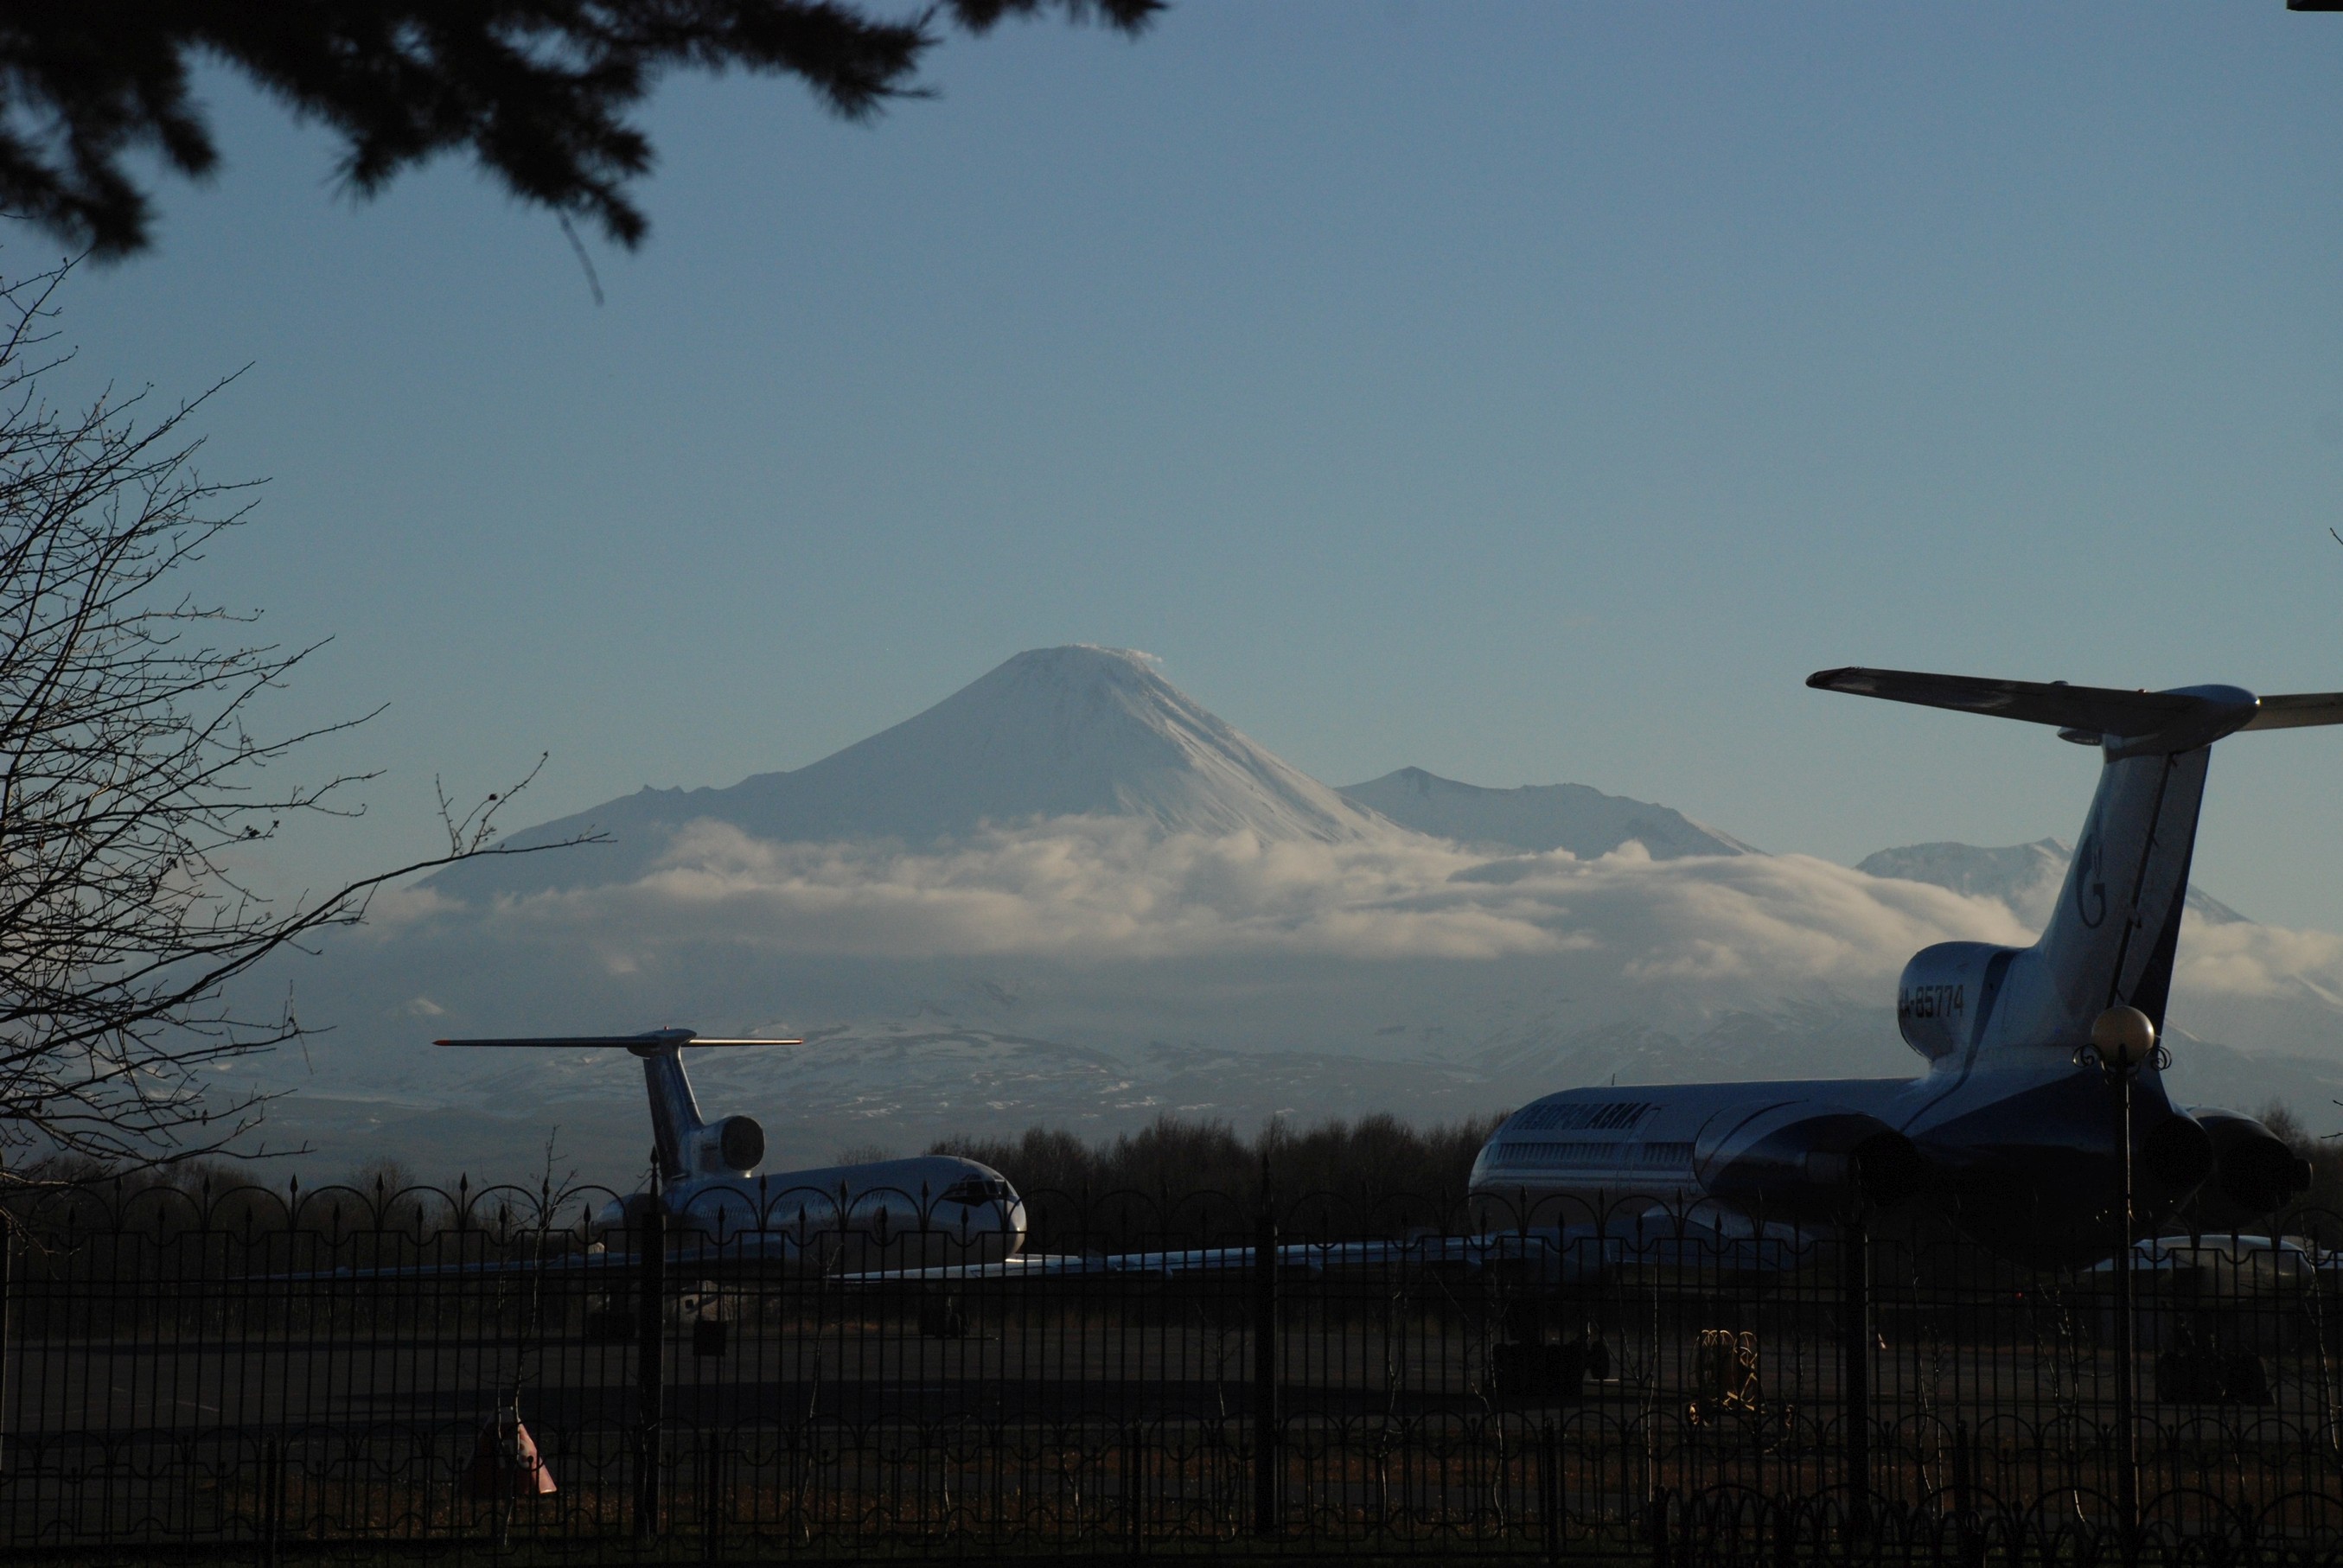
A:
(2021, 1156)
(925, 1212)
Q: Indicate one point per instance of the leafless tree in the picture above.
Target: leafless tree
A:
(132, 780)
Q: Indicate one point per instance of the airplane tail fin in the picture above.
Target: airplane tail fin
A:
(677, 1130)
(2113, 937)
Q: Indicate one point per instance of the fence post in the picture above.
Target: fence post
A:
(651, 1293)
(7, 1280)
(1134, 1488)
(1963, 1501)
(1550, 1487)
(1265, 1436)
(1964, 1493)
(711, 1501)
(2127, 1456)
(272, 1501)
(1855, 1368)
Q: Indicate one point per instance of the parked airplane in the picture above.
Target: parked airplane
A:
(2009, 1130)
(943, 1218)
(936, 1209)
(947, 1219)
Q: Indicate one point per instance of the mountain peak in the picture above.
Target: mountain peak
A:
(1075, 659)
(1080, 730)
(1063, 732)
(1537, 817)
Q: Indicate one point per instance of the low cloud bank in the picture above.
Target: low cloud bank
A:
(2241, 959)
(1082, 889)
(1105, 890)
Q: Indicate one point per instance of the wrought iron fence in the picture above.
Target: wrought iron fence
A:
(338, 1374)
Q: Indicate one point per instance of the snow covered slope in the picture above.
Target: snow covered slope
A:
(1537, 817)
(1053, 732)
(2026, 877)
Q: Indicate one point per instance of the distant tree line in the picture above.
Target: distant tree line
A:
(1377, 1159)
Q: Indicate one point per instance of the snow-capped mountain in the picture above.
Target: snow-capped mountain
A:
(2026, 877)
(1053, 732)
(1537, 817)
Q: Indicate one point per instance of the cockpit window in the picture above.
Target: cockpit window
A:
(976, 1190)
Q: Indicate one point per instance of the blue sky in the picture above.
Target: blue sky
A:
(1524, 392)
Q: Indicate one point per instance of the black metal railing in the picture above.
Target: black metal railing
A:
(345, 1376)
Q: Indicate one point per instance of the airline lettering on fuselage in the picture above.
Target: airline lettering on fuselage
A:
(1932, 1001)
(2090, 886)
(1599, 1116)
(1559, 1156)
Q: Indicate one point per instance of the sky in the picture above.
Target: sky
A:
(1527, 393)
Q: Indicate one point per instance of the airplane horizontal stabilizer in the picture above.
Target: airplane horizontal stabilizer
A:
(685, 1144)
(2138, 722)
(2098, 710)
(2300, 708)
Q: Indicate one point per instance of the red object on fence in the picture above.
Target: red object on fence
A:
(505, 1461)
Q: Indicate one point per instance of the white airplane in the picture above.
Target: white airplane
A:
(2009, 1130)
(934, 1210)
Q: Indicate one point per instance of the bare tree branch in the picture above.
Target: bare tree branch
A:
(131, 777)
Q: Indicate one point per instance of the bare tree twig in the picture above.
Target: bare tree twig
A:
(584, 262)
(468, 834)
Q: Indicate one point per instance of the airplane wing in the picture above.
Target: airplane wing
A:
(1567, 1255)
(610, 1041)
(743, 1249)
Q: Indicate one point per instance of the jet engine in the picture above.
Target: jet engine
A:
(1818, 1160)
(1947, 993)
(2254, 1172)
(2175, 1158)
(736, 1143)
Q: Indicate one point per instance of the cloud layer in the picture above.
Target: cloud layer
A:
(1109, 890)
